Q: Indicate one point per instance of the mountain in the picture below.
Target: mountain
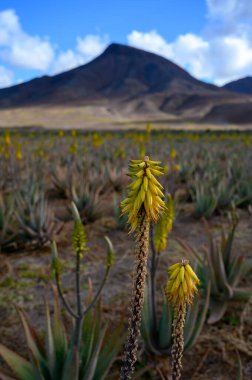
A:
(243, 85)
(130, 81)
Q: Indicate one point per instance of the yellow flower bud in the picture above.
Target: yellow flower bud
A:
(181, 286)
(142, 195)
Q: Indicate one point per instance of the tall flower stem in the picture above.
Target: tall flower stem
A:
(153, 267)
(79, 247)
(178, 341)
(143, 205)
(180, 290)
(141, 253)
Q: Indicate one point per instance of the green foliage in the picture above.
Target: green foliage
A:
(35, 219)
(8, 227)
(243, 196)
(204, 198)
(62, 179)
(87, 197)
(225, 191)
(89, 351)
(156, 327)
(121, 220)
(56, 357)
(224, 267)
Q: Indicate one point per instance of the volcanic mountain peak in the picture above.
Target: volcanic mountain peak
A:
(243, 85)
(120, 73)
(127, 81)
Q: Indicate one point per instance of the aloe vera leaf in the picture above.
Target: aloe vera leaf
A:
(242, 294)
(109, 351)
(50, 349)
(200, 320)
(227, 252)
(35, 345)
(165, 327)
(71, 367)
(221, 273)
(235, 274)
(89, 373)
(210, 272)
(36, 366)
(88, 339)
(21, 367)
(147, 327)
(59, 337)
(191, 320)
(217, 310)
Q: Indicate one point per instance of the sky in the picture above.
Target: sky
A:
(212, 39)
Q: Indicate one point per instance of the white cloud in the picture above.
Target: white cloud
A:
(86, 49)
(20, 49)
(66, 60)
(230, 9)
(6, 77)
(220, 54)
(91, 45)
(151, 41)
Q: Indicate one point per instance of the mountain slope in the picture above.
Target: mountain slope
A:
(243, 85)
(128, 81)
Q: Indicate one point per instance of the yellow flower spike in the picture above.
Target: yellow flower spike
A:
(182, 274)
(136, 161)
(145, 183)
(181, 286)
(173, 267)
(180, 291)
(142, 195)
(155, 181)
(156, 172)
(192, 274)
(164, 226)
(177, 168)
(173, 154)
(149, 197)
(148, 172)
(140, 173)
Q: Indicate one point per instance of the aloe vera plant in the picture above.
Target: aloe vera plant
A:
(156, 328)
(8, 226)
(224, 267)
(87, 199)
(244, 193)
(205, 201)
(35, 219)
(56, 357)
(62, 179)
(88, 352)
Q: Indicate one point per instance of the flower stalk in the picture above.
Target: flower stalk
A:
(180, 290)
(79, 246)
(143, 205)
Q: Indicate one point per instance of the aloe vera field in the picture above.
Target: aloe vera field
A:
(75, 231)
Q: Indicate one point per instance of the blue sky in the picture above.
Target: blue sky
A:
(209, 38)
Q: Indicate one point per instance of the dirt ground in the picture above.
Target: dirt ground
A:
(99, 118)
